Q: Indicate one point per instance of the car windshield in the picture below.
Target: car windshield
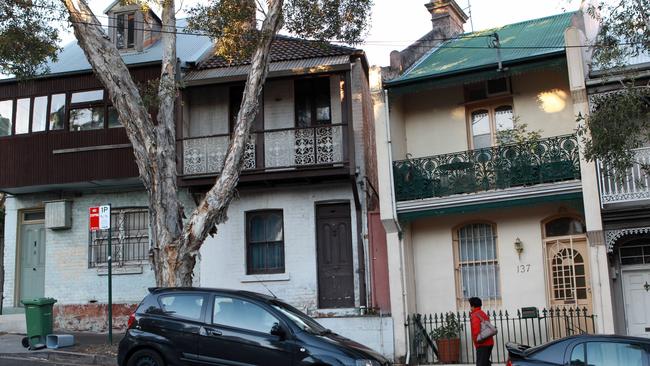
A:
(299, 319)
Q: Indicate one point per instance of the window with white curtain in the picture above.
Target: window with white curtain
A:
(477, 265)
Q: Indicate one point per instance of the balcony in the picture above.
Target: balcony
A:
(550, 160)
(632, 186)
(288, 149)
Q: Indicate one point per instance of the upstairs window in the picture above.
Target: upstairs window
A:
(125, 31)
(487, 121)
(313, 105)
(57, 111)
(6, 117)
(87, 110)
(23, 107)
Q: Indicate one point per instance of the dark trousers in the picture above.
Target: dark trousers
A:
(483, 356)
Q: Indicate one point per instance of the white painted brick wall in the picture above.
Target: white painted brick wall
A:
(67, 275)
(371, 331)
(223, 263)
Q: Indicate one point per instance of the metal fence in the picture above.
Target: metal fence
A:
(527, 326)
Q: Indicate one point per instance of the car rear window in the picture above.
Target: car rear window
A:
(551, 353)
(186, 306)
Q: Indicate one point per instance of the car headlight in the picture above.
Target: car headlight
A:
(367, 363)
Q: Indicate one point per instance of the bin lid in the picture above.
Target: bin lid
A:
(38, 301)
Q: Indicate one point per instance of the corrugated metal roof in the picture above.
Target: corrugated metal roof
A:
(305, 66)
(189, 48)
(519, 41)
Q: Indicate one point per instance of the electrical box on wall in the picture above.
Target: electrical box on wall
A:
(58, 215)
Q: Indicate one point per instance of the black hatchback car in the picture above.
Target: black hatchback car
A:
(194, 326)
(583, 350)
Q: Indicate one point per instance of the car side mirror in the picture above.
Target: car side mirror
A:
(278, 330)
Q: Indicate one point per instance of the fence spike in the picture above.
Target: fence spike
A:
(544, 312)
(507, 316)
(571, 312)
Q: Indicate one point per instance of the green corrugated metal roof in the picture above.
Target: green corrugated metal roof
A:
(530, 39)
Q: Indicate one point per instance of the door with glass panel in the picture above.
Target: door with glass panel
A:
(486, 123)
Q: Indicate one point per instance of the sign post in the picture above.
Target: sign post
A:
(105, 224)
(100, 219)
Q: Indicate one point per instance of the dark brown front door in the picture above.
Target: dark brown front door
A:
(335, 265)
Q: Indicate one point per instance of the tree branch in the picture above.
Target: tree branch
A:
(646, 20)
(213, 208)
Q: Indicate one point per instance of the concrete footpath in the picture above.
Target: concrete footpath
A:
(89, 349)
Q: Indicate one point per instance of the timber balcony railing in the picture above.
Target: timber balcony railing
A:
(278, 149)
(633, 185)
(547, 160)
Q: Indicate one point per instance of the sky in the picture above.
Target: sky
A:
(397, 23)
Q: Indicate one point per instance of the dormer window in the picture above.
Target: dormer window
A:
(122, 21)
(125, 31)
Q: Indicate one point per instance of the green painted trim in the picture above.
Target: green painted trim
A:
(416, 85)
(575, 199)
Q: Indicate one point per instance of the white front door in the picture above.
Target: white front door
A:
(636, 290)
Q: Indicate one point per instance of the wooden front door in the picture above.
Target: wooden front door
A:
(568, 271)
(32, 260)
(334, 251)
(636, 293)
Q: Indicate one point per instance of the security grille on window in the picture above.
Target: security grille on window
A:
(477, 266)
(265, 242)
(129, 238)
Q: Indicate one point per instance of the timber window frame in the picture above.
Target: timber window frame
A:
(130, 238)
(125, 30)
(265, 244)
(476, 263)
(486, 119)
(313, 102)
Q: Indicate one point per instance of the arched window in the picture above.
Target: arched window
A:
(564, 226)
(477, 264)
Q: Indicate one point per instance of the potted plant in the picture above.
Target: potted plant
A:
(447, 338)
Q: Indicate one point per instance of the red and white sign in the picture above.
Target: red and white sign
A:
(94, 218)
(100, 218)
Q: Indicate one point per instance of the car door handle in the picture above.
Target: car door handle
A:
(214, 333)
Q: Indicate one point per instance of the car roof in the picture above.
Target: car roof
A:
(611, 337)
(241, 293)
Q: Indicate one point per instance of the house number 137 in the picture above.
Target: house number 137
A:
(523, 268)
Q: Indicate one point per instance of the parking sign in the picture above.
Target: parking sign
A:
(104, 217)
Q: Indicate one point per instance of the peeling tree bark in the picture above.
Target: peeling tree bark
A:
(175, 246)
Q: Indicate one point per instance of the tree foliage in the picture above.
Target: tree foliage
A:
(28, 35)
(618, 121)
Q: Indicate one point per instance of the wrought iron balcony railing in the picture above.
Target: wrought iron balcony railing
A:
(278, 149)
(633, 185)
(548, 160)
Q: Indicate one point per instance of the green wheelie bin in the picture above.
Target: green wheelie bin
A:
(39, 317)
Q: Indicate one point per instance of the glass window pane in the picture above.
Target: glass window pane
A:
(607, 354)
(40, 114)
(503, 118)
(480, 122)
(22, 115)
(274, 228)
(57, 111)
(87, 96)
(119, 32)
(479, 271)
(113, 118)
(182, 306)
(578, 356)
(564, 226)
(6, 117)
(131, 30)
(87, 119)
(256, 227)
(242, 314)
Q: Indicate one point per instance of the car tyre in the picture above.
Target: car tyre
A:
(145, 357)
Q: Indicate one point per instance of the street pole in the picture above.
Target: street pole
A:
(110, 283)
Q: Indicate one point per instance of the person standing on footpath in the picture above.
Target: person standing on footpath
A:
(484, 347)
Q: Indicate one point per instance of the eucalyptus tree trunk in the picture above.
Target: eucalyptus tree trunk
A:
(175, 243)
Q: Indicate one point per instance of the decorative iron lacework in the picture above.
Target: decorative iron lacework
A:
(634, 186)
(550, 160)
(612, 236)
